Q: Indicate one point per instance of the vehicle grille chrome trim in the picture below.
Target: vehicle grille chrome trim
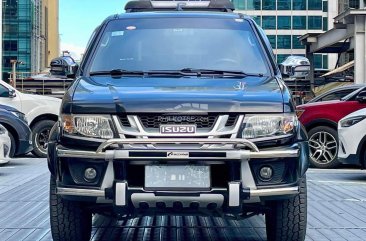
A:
(138, 130)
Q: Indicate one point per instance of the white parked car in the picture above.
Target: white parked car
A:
(352, 138)
(41, 113)
(5, 145)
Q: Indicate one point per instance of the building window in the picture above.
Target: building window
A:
(325, 62)
(296, 44)
(299, 4)
(283, 5)
(239, 4)
(269, 22)
(284, 42)
(272, 40)
(299, 22)
(284, 22)
(254, 4)
(325, 6)
(281, 57)
(325, 24)
(268, 5)
(318, 61)
(315, 22)
(7, 61)
(315, 5)
(10, 8)
(10, 45)
(354, 4)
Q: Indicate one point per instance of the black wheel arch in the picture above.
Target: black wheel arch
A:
(361, 149)
(321, 122)
(43, 117)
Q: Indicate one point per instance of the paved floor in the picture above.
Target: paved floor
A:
(337, 211)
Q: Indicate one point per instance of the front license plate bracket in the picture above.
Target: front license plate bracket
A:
(177, 177)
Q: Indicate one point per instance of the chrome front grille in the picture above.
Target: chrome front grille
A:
(155, 120)
(220, 126)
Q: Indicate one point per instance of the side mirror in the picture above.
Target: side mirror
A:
(361, 97)
(295, 67)
(12, 93)
(64, 66)
(72, 73)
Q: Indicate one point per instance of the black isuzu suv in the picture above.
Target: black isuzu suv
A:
(178, 107)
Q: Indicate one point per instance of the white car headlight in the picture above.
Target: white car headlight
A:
(88, 125)
(352, 121)
(269, 126)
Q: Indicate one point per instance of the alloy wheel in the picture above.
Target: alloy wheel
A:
(323, 147)
(42, 140)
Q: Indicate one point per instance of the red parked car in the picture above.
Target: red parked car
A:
(320, 120)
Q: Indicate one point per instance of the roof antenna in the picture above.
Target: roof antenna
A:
(180, 6)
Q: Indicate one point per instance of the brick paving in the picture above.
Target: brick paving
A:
(336, 211)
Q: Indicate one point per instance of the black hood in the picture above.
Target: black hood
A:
(102, 94)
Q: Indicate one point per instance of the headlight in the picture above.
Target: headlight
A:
(89, 126)
(352, 121)
(269, 126)
(20, 115)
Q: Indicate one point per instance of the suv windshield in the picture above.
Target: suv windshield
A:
(179, 43)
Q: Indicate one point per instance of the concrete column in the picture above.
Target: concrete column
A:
(310, 56)
(360, 49)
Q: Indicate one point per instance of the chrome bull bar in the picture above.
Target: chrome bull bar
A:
(235, 152)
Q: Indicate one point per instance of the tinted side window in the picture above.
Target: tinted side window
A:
(337, 95)
(4, 92)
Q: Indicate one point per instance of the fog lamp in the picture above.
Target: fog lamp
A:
(266, 173)
(90, 174)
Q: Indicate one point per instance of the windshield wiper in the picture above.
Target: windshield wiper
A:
(117, 72)
(202, 72)
(233, 73)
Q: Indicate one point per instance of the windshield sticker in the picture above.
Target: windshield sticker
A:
(239, 20)
(118, 33)
(131, 28)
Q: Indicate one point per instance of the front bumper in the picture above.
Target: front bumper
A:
(222, 150)
(25, 146)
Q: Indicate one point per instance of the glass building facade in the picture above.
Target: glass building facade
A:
(284, 21)
(17, 35)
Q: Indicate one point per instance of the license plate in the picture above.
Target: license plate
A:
(177, 177)
(178, 129)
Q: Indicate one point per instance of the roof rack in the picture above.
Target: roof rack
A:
(180, 5)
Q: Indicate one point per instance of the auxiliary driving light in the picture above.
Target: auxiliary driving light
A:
(266, 173)
(90, 174)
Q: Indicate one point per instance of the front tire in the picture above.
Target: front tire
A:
(70, 221)
(40, 134)
(286, 220)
